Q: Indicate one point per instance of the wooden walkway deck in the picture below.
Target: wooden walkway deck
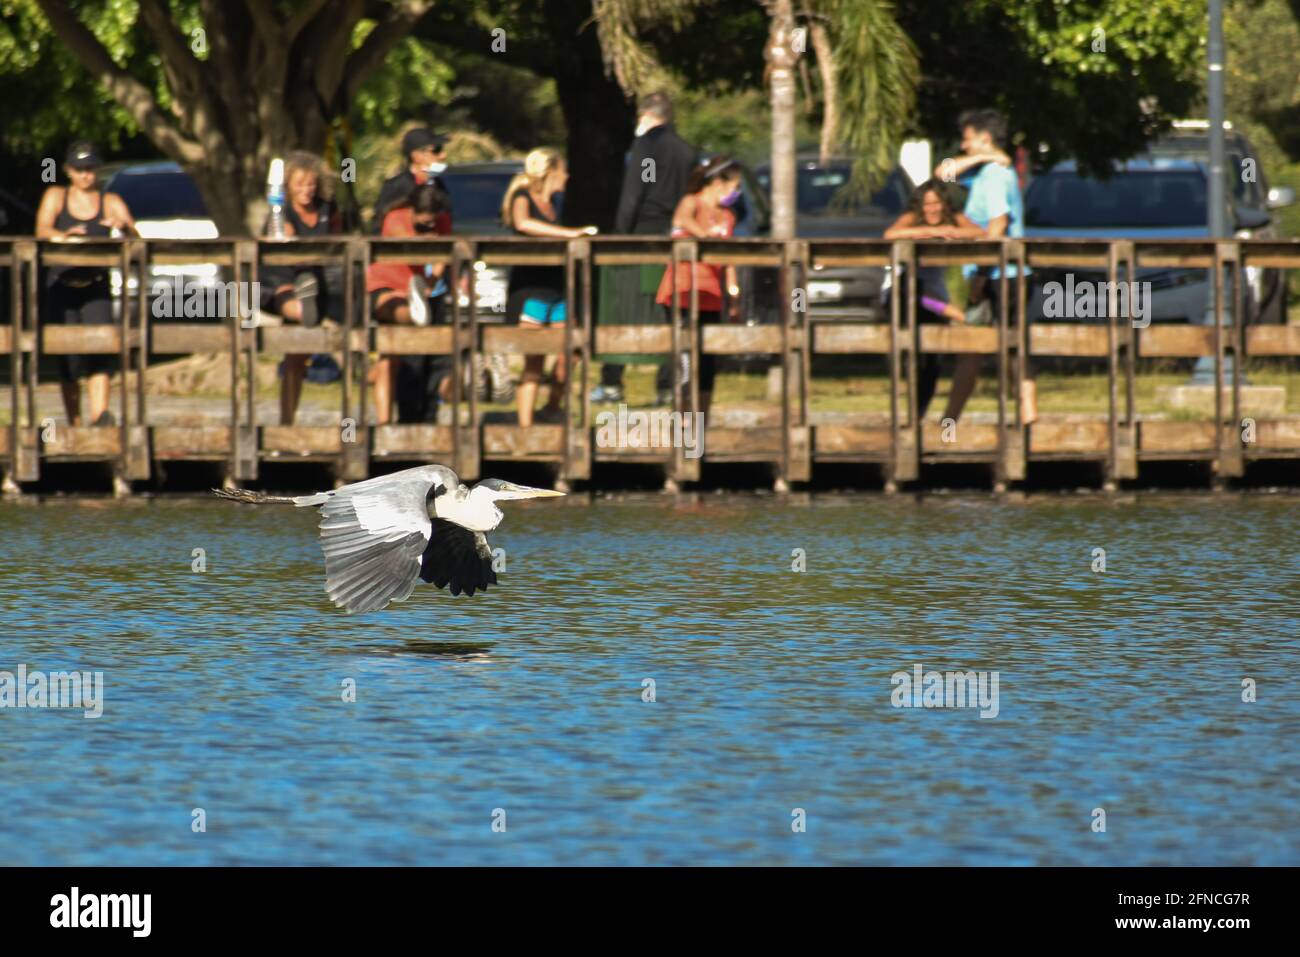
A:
(900, 446)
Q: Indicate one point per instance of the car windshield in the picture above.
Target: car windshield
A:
(477, 196)
(817, 188)
(1245, 189)
(166, 195)
(1136, 198)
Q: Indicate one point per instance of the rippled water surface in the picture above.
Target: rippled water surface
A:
(223, 689)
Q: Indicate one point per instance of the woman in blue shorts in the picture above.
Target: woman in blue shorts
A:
(536, 293)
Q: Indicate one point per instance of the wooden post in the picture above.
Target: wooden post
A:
(577, 277)
(26, 442)
(796, 452)
(466, 448)
(903, 344)
(684, 469)
(1122, 461)
(1011, 430)
(354, 457)
(243, 353)
(134, 460)
(23, 464)
(1229, 461)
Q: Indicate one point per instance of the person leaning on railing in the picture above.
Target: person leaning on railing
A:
(705, 213)
(398, 292)
(80, 295)
(930, 215)
(535, 296)
(993, 201)
(298, 293)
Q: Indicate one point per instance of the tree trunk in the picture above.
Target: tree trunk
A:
(781, 60)
(821, 43)
(599, 116)
(600, 120)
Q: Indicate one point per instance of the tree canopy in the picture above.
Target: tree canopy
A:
(223, 86)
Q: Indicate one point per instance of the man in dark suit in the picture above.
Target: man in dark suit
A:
(658, 166)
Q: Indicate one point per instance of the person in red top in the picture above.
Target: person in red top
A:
(397, 291)
(705, 213)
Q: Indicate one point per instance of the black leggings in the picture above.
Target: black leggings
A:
(90, 305)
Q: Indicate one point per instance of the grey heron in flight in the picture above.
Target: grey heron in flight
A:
(382, 535)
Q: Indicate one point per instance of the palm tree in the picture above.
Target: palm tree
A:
(782, 57)
(867, 67)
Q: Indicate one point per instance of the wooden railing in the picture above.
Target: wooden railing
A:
(899, 443)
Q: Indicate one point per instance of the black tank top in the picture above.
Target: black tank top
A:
(525, 278)
(324, 213)
(79, 275)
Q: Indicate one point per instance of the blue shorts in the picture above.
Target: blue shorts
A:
(542, 312)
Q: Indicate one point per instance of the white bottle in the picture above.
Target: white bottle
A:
(275, 199)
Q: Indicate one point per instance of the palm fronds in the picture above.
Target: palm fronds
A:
(876, 72)
(619, 24)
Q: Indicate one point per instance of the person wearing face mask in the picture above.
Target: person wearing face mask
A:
(535, 296)
(654, 181)
(399, 294)
(705, 212)
(80, 295)
(425, 153)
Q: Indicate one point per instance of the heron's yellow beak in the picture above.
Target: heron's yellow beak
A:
(515, 492)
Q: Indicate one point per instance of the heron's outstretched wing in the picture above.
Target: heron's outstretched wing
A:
(373, 534)
(457, 557)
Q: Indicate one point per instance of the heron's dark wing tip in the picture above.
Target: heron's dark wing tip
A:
(458, 558)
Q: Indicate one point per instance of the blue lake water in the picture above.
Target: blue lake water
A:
(223, 689)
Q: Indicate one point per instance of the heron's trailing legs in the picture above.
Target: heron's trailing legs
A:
(250, 497)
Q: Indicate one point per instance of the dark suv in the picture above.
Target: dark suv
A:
(1252, 203)
(1162, 194)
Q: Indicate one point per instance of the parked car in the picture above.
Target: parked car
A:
(165, 203)
(477, 190)
(824, 209)
(1253, 199)
(1162, 194)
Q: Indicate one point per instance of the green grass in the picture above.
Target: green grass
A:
(1058, 393)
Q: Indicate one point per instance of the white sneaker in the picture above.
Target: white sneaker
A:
(980, 314)
(417, 301)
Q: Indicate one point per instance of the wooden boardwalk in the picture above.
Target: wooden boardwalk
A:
(898, 446)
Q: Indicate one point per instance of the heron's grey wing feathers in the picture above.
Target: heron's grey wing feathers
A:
(457, 557)
(373, 534)
(425, 476)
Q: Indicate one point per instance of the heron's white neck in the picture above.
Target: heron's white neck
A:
(474, 508)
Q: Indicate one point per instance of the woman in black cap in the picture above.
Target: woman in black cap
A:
(80, 295)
